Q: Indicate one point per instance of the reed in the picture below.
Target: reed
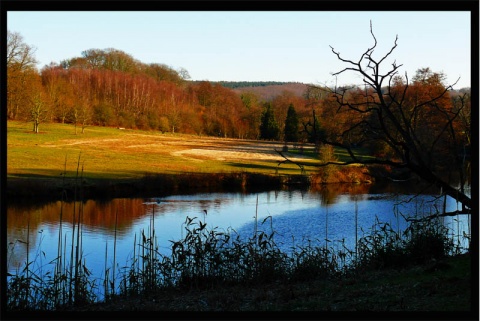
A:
(40, 287)
(420, 242)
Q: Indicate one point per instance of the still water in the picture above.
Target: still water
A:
(336, 218)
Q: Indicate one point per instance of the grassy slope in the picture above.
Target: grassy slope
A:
(103, 152)
(112, 153)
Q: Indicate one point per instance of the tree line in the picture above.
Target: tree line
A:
(110, 88)
(243, 84)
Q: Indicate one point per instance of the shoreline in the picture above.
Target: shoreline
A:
(70, 188)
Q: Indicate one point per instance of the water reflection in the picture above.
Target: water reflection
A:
(350, 217)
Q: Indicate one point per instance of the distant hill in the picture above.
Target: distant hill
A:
(268, 92)
(243, 84)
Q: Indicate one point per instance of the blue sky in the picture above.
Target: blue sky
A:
(257, 45)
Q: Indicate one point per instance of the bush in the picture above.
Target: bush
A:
(103, 114)
(126, 120)
(163, 124)
(153, 120)
(426, 241)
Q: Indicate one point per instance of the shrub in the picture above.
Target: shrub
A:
(103, 114)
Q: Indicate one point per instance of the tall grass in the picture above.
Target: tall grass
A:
(68, 284)
(419, 243)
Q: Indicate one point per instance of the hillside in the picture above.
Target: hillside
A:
(266, 90)
(241, 84)
(269, 92)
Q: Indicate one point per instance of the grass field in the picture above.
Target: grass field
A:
(113, 153)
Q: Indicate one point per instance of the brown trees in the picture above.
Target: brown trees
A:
(81, 110)
(415, 123)
(25, 94)
(228, 107)
(36, 108)
(220, 110)
(58, 90)
(110, 88)
(251, 114)
(20, 92)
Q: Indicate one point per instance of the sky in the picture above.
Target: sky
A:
(287, 46)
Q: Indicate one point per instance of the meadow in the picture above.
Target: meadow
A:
(121, 153)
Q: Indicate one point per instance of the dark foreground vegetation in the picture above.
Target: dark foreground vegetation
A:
(420, 269)
(443, 285)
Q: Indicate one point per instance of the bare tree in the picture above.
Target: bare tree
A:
(19, 54)
(21, 75)
(38, 112)
(414, 123)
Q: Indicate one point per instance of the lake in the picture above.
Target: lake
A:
(334, 215)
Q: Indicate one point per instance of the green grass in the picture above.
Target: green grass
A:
(341, 155)
(361, 153)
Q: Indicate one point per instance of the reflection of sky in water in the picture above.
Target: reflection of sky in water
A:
(299, 214)
(339, 223)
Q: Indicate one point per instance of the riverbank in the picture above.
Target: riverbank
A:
(69, 188)
(438, 289)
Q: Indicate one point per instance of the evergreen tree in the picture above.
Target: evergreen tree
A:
(317, 134)
(291, 125)
(314, 132)
(269, 128)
